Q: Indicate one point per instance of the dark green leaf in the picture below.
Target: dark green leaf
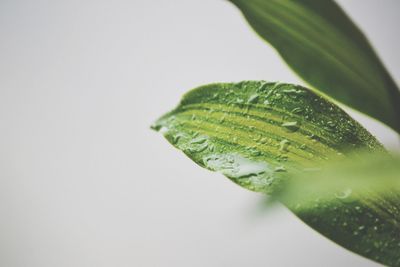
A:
(355, 203)
(256, 133)
(324, 47)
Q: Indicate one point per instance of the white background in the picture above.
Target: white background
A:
(85, 182)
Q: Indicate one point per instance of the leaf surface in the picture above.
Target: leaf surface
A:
(256, 133)
(355, 203)
(324, 47)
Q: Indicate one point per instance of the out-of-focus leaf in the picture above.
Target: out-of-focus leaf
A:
(324, 47)
(256, 133)
(355, 203)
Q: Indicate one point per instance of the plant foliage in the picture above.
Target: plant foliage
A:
(292, 143)
(324, 47)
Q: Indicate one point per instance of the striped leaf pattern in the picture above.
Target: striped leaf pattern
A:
(257, 133)
(324, 47)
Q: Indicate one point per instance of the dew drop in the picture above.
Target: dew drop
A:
(253, 98)
(267, 102)
(198, 140)
(283, 145)
(255, 153)
(280, 169)
(235, 166)
(257, 138)
(291, 126)
(197, 149)
(163, 129)
(211, 148)
(278, 96)
(239, 101)
(331, 124)
(262, 86)
(176, 139)
(297, 110)
(344, 194)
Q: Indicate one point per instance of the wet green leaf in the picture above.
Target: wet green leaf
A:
(258, 133)
(324, 47)
(355, 203)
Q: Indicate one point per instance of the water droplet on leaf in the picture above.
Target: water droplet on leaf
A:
(291, 126)
(280, 169)
(253, 98)
(344, 194)
(283, 145)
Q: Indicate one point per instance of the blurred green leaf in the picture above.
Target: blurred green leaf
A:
(256, 133)
(355, 203)
(324, 47)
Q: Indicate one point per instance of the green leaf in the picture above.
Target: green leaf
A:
(324, 47)
(256, 133)
(355, 203)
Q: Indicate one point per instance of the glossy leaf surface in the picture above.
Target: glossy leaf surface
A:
(324, 47)
(256, 133)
